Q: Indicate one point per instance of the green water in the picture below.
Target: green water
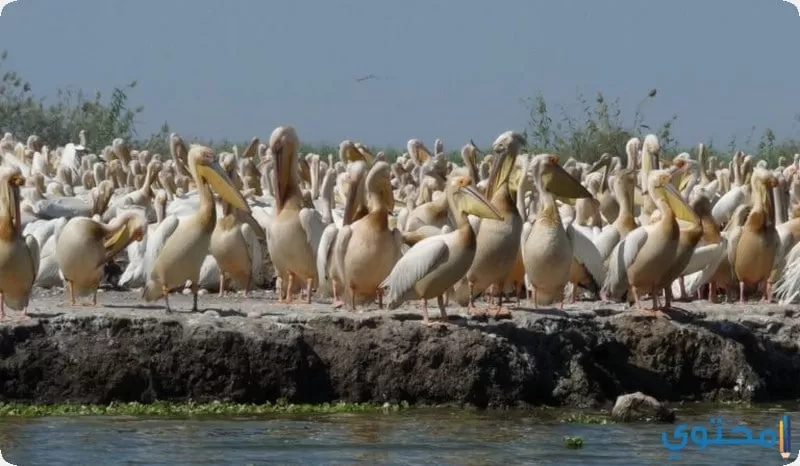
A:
(408, 437)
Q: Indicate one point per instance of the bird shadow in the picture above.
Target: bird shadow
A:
(221, 312)
(44, 315)
(149, 307)
(549, 311)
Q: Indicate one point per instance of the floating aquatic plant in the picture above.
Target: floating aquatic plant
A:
(573, 442)
(216, 408)
(582, 418)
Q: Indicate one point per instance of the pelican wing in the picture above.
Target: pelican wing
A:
(586, 253)
(324, 256)
(788, 286)
(733, 243)
(633, 244)
(156, 242)
(313, 225)
(709, 257)
(412, 267)
(616, 283)
(33, 250)
(255, 252)
(705, 255)
(726, 204)
(606, 241)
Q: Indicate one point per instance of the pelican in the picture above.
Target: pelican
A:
(235, 243)
(751, 249)
(368, 248)
(646, 250)
(435, 264)
(498, 240)
(84, 246)
(547, 247)
(19, 257)
(295, 231)
(329, 265)
(186, 247)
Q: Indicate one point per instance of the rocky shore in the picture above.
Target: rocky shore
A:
(255, 350)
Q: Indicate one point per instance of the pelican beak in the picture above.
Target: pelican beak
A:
(121, 239)
(562, 184)
(474, 203)
(222, 185)
(304, 169)
(681, 209)
(423, 154)
(597, 165)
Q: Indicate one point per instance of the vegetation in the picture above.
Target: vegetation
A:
(188, 409)
(573, 442)
(597, 127)
(582, 418)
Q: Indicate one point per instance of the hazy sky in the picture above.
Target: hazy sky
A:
(450, 69)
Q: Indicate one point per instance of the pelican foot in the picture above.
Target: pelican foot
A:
(477, 312)
(436, 324)
(338, 304)
(500, 313)
(653, 313)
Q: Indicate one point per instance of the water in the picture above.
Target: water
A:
(410, 437)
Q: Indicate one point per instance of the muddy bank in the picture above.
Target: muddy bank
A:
(254, 350)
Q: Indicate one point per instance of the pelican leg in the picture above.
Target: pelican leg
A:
(767, 292)
(2, 307)
(380, 298)
(221, 283)
(94, 298)
(446, 299)
(682, 284)
(71, 292)
(636, 300)
(741, 292)
(712, 292)
(425, 319)
(165, 290)
(471, 287)
(309, 282)
(289, 287)
(574, 294)
(195, 290)
(247, 286)
(535, 298)
(667, 297)
(472, 309)
(352, 299)
(337, 302)
(440, 302)
(518, 291)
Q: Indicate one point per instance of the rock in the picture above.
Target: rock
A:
(640, 407)
(312, 354)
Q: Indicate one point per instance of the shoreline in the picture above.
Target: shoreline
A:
(254, 350)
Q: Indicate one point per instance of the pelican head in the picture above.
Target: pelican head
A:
(203, 165)
(551, 177)
(465, 200)
(129, 226)
(660, 187)
(283, 144)
(418, 151)
(603, 161)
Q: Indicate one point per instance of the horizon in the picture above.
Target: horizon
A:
(394, 72)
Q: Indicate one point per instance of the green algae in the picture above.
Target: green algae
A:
(188, 409)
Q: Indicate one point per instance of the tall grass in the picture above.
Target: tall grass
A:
(597, 127)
